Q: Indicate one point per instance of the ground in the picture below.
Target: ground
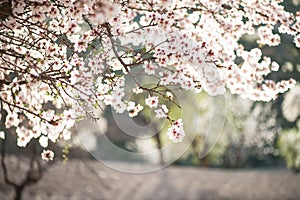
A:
(82, 180)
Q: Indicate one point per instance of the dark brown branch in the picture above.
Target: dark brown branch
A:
(28, 111)
(106, 25)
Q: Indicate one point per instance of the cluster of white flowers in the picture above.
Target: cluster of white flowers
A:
(162, 112)
(176, 132)
(152, 101)
(134, 109)
(75, 54)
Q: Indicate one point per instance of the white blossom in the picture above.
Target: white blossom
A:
(47, 155)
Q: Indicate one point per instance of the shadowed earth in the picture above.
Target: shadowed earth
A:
(80, 180)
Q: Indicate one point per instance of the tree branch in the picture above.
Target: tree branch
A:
(106, 25)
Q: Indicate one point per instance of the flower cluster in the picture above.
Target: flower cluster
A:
(152, 101)
(176, 132)
(58, 58)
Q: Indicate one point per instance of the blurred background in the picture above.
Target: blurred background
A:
(256, 155)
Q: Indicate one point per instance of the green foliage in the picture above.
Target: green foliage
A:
(289, 146)
(65, 153)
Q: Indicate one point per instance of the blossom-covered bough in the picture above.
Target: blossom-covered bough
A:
(58, 58)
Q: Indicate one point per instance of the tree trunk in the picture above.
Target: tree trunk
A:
(18, 192)
(159, 147)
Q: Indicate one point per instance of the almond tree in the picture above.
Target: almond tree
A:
(77, 54)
